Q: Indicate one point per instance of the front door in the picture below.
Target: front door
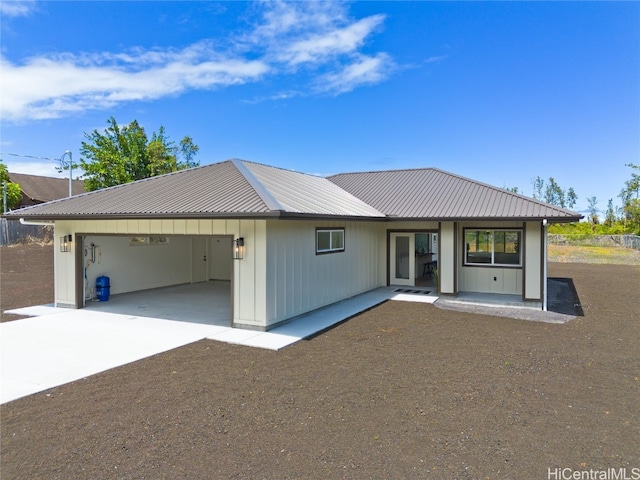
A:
(402, 262)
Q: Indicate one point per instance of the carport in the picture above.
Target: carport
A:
(175, 277)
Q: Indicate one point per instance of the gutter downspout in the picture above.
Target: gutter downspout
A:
(544, 265)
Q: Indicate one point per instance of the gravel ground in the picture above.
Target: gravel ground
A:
(405, 390)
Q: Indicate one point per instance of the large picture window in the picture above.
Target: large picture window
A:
(329, 240)
(493, 247)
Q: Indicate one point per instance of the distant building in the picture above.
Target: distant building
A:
(37, 189)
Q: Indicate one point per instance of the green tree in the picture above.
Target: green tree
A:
(572, 198)
(630, 196)
(610, 214)
(553, 194)
(593, 210)
(123, 154)
(538, 185)
(14, 192)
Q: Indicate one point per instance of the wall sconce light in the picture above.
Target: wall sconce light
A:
(238, 253)
(65, 243)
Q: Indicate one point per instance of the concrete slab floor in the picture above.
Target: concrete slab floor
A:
(208, 303)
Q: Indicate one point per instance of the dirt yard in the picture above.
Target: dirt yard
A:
(405, 390)
(26, 277)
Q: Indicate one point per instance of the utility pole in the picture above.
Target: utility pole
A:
(4, 197)
(63, 164)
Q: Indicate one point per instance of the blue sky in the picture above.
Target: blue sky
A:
(498, 92)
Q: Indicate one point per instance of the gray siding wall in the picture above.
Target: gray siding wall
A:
(299, 281)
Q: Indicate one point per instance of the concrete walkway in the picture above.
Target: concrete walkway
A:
(60, 345)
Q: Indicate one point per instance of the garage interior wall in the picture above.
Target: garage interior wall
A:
(248, 274)
(132, 267)
(218, 257)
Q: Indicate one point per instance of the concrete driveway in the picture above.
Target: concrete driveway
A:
(60, 345)
(45, 351)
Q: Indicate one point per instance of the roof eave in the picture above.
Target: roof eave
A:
(486, 219)
(143, 216)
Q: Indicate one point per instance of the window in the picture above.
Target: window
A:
(493, 247)
(329, 240)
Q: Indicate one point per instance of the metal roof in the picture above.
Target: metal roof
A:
(309, 194)
(218, 189)
(233, 188)
(430, 193)
(44, 189)
(237, 188)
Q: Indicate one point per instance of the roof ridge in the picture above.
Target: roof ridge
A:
(66, 179)
(281, 168)
(262, 191)
(385, 171)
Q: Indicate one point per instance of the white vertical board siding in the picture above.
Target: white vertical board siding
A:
(491, 280)
(412, 225)
(299, 281)
(533, 259)
(447, 258)
(63, 268)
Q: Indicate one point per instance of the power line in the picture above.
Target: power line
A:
(30, 156)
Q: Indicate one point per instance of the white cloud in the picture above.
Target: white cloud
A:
(364, 71)
(316, 42)
(17, 8)
(42, 168)
(50, 87)
(331, 43)
(279, 19)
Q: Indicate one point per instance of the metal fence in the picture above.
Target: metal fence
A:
(13, 232)
(626, 241)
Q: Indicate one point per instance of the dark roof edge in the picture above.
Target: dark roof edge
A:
(487, 219)
(259, 188)
(16, 215)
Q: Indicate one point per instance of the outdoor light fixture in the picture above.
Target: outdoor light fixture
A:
(65, 243)
(238, 253)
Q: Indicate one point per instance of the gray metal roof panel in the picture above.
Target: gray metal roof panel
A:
(231, 188)
(212, 189)
(309, 194)
(433, 193)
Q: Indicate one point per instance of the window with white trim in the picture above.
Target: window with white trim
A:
(329, 240)
(495, 247)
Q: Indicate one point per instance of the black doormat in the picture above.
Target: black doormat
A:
(408, 290)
